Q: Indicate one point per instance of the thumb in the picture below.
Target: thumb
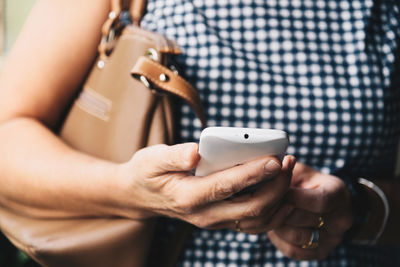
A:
(160, 159)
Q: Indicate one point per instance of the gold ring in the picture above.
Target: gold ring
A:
(321, 222)
(237, 226)
(314, 240)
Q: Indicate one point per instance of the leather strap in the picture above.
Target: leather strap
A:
(136, 9)
(167, 80)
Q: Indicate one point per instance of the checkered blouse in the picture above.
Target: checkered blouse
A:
(325, 71)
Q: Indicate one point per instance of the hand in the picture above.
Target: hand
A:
(158, 181)
(315, 196)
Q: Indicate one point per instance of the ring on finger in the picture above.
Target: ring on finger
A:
(237, 226)
(321, 222)
(314, 240)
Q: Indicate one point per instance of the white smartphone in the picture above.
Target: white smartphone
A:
(224, 147)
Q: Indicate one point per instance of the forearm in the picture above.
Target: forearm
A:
(43, 177)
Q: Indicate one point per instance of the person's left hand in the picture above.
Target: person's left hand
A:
(322, 204)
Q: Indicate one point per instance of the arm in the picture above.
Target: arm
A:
(43, 72)
(43, 177)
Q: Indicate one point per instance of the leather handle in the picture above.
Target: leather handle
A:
(136, 9)
(168, 81)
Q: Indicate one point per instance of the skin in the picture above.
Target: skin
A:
(313, 194)
(43, 177)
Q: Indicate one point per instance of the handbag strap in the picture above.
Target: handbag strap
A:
(174, 83)
(135, 7)
(166, 80)
(113, 23)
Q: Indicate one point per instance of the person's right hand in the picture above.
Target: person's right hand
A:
(158, 180)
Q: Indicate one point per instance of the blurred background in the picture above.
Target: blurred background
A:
(13, 14)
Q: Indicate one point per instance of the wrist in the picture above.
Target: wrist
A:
(105, 190)
(129, 200)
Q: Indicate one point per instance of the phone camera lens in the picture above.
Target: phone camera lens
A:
(246, 136)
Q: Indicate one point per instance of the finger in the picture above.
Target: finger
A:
(258, 225)
(319, 200)
(267, 222)
(299, 172)
(249, 206)
(176, 158)
(280, 184)
(298, 253)
(224, 184)
(335, 223)
(300, 235)
(303, 218)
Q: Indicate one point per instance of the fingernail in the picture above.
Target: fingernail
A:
(272, 167)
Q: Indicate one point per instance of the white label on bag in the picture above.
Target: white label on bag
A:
(94, 103)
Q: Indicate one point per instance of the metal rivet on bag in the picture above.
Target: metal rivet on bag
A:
(112, 15)
(163, 77)
(174, 69)
(100, 64)
(144, 81)
(152, 54)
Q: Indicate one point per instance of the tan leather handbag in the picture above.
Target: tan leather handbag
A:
(125, 104)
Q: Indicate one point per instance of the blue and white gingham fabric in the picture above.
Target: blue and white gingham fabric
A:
(325, 71)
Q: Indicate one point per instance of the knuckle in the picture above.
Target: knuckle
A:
(186, 163)
(195, 220)
(148, 152)
(172, 162)
(201, 222)
(220, 190)
(184, 205)
(248, 175)
(140, 154)
(189, 163)
(177, 158)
